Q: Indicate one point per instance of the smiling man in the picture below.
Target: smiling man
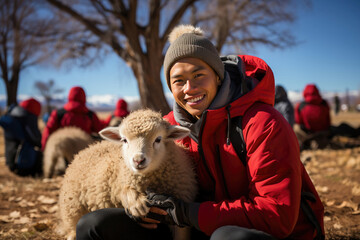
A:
(265, 193)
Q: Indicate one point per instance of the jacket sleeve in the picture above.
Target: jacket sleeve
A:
(51, 126)
(274, 173)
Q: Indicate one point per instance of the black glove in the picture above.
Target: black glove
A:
(178, 210)
(136, 219)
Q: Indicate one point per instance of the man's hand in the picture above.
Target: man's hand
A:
(177, 210)
(151, 220)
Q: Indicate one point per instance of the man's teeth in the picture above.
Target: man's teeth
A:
(195, 99)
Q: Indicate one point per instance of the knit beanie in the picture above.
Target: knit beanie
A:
(187, 41)
(31, 105)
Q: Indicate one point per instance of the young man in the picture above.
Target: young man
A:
(255, 196)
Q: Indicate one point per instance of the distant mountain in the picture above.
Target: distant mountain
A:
(107, 102)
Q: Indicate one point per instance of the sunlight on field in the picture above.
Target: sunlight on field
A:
(352, 118)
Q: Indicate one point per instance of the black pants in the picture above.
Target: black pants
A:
(113, 223)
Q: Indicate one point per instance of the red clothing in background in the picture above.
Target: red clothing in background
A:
(76, 114)
(313, 114)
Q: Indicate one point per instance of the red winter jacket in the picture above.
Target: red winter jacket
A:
(76, 114)
(121, 111)
(313, 114)
(264, 194)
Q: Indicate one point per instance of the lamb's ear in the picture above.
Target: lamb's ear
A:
(111, 134)
(178, 132)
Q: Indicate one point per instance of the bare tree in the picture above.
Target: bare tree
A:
(48, 90)
(137, 30)
(245, 24)
(28, 36)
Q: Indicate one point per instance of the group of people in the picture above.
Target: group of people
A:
(24, 142)
(311, 118)
(260, 192)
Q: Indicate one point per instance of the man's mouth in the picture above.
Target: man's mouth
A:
(196, 99)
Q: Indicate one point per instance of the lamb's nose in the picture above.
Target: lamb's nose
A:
(139, 160)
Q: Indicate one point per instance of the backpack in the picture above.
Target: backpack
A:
(61, 112)
(237, 139)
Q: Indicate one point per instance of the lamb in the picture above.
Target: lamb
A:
(141, 154)
(61, 147)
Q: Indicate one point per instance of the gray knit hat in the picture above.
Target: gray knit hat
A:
(188, 41)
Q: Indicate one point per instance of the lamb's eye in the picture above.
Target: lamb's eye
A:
(123, 140)
(158, 139)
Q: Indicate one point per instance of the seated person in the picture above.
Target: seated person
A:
(312, 118)
(120, 112)
(74, 113)
(23, 138)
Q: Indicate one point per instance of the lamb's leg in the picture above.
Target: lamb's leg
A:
(49, 165)
(134, 201)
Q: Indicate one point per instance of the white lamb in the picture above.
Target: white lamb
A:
(61, 148)
(140, 155)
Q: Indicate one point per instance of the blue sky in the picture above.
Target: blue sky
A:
(328, 55)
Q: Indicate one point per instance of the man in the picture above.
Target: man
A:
(258, 197)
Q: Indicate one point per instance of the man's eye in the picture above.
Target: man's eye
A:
(198, 75)
(177, 81)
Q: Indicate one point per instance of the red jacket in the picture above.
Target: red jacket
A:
(77, 114)
(264, 194)
(121, 111)
(314, 113)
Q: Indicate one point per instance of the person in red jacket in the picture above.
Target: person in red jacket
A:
(121, 111)
(312, 118)
(74, 113)
(265, 194)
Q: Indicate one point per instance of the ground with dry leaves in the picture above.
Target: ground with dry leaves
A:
(28, 206)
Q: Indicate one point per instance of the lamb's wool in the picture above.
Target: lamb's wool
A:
(99, 177)
(61, 147)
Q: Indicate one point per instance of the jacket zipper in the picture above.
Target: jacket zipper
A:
(200, 149)
(218, 156)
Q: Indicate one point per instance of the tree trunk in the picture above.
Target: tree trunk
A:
(11, 90)
(147, 73)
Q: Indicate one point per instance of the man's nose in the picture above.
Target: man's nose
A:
(190, 85)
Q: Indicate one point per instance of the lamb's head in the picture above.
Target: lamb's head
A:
(144, 135)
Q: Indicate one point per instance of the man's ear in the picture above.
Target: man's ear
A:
(178, 132)
(110, 134)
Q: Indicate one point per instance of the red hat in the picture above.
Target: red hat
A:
(31, 105)
(77, 94)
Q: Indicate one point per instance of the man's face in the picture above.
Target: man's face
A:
(194, 85)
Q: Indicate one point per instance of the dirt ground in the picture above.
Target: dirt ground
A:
(28, 206)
